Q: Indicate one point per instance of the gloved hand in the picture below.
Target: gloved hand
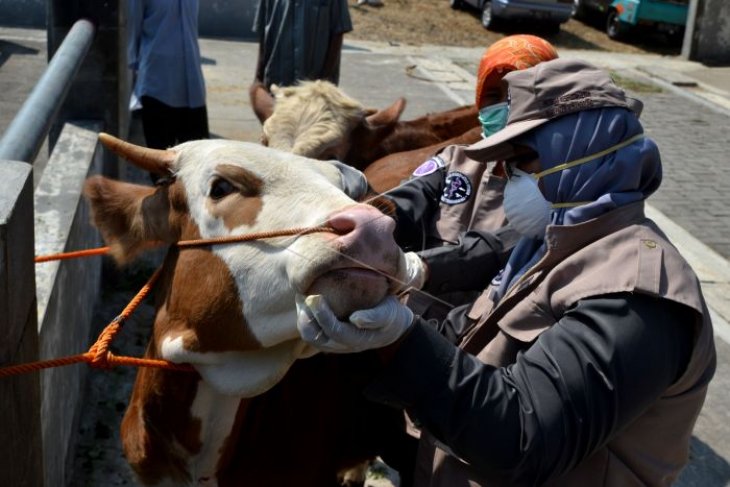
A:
(412, 273)
(367, 329)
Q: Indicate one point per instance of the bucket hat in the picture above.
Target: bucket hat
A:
(547, 91)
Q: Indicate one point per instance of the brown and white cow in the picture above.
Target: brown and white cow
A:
(316, 119)
(256, 412)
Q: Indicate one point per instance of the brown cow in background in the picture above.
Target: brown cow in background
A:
(392, 170)
(316, 119)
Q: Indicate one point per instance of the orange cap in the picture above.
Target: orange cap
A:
(510, 54)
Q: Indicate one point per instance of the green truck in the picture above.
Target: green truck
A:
(622, 16)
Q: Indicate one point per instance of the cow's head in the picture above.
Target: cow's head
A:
(229, 309)
(315, 119)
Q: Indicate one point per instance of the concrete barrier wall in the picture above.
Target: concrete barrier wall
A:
(20, 422)
(67, 291)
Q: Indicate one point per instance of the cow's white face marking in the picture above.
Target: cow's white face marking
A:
(268, 273)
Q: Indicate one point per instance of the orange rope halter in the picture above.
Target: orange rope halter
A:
(99, 355)
(191, 243)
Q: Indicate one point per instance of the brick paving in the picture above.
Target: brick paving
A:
(694, 144)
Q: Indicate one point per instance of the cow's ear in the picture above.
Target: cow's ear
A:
(131, 216)
(262, 101)
(387, 116)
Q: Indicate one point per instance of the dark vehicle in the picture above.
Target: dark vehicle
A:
(548, 14)
(668, 16)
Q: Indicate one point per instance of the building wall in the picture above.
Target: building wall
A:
(23, 13)
(227, 18)
(218, 18)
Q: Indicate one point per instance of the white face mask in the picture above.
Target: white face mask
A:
(526, 209)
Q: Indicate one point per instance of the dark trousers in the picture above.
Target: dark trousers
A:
(165, 126)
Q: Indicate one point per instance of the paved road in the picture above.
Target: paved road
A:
(689, 124)
(22, 58)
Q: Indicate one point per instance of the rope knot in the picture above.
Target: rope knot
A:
(102, 360)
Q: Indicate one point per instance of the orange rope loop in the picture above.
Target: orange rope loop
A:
(98, 355)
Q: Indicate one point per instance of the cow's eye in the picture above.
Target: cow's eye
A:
(220, 189)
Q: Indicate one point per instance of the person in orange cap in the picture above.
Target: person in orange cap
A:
(449, 214)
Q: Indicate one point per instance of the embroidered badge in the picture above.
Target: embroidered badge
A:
(457, 188)
(429, 167)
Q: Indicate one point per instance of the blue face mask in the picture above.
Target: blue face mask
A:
(493, 118)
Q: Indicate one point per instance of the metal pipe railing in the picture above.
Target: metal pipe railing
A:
(25, 135)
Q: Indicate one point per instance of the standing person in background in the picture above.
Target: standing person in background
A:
(163, 52)
(300, 40)
(451, 212)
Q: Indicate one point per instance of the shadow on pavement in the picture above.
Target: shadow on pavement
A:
(7, 49)
(706, 467)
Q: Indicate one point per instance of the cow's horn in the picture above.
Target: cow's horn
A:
(153, 160)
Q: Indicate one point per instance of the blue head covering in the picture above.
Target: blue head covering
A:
(627, 175)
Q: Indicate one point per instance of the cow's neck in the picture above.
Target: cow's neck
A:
(217, 415)
(177, 429)
(194, 428)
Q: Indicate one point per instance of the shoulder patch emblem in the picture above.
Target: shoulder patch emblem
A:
(457, 188)
(429, 167)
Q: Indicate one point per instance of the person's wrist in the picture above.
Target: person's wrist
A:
(417, 270)
(385, 354)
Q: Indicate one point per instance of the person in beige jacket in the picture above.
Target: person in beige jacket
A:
(450, 212)
(586, 361)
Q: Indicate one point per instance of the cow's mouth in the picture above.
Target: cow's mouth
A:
(351, 288)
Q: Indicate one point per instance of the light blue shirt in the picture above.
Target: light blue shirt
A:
(163, 49)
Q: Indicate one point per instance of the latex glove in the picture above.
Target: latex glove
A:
(367, 329)
(412, 273)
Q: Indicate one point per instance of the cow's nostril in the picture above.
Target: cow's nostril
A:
(342, 223)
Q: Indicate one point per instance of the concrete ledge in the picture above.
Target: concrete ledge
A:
(16, 253)
(67, 291)
(20, 423)
(669, 75)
